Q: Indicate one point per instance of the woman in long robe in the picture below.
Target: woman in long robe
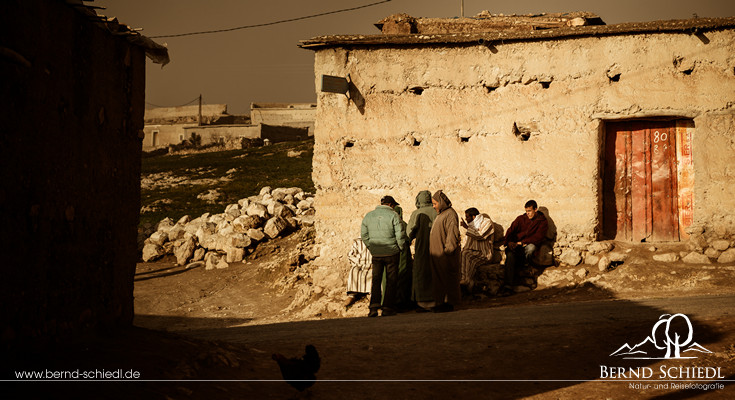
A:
(419, 229)
(445, 254)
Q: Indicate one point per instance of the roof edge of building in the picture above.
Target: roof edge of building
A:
(692, 26)
(154, 51)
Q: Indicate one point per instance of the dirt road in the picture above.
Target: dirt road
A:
(502, 351)
(535, 351)
(548, 343)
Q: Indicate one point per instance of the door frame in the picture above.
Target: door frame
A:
(683, 172)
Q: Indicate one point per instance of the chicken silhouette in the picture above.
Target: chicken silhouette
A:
(299, 372)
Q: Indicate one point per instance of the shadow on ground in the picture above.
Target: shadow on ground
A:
(507, 352)
(510, 351)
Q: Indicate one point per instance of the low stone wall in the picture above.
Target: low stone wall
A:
(277, 134)
(223, 145)
(300, 115)
(704, 247)
(716, 242)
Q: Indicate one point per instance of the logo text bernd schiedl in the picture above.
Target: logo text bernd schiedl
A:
(672, 337)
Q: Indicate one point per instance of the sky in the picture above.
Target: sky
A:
(265, 64)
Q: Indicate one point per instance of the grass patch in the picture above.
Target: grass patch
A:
(198, 173)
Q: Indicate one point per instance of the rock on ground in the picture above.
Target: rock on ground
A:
(720, 245)
(257, 209)
(696, 258)
(668, 257)
(727, 256)
(274, 227)
(571, 257)
(712, 252)
(600, 247)
(159, 237)
(256, 234)
(591, 259)
(211, 260)
(617, 256)
(184, 252)
(152, 251)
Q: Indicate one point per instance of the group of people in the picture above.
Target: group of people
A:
(431, 279)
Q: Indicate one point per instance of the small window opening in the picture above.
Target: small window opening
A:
(349, 143)
(522, 133)
(416, 143)
(614, 78)
(417, 90)
(464, 139)
(490, 89)
(545, 85)
(688, 71)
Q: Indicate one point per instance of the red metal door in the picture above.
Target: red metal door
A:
(640, 182)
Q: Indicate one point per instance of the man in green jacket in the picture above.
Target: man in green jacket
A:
(382, 233)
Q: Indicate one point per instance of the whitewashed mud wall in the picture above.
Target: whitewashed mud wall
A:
(442, 118)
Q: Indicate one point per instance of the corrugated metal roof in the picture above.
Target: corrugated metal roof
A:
(693, 25)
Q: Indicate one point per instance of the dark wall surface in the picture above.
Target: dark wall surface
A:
(72, 98)
(277, 133)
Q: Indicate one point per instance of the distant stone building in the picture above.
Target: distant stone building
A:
(231, 135)
(274, 122)
(73, 93)
(298, 115)
(165, 126)
(618, 131)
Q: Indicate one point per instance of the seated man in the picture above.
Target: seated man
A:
(521, 240)
(477, 247)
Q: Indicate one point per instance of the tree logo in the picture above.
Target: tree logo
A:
(672, 333)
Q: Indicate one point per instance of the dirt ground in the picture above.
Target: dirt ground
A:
(210, 334)
(250, 292)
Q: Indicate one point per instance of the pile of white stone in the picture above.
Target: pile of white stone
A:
(220, 239)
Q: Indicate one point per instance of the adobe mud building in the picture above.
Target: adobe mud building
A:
(73, 96)
(300, 115)
(620, 131)
(165, 126)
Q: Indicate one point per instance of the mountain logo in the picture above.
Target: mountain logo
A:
(672, 333)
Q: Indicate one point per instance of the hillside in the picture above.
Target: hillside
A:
(177, 185)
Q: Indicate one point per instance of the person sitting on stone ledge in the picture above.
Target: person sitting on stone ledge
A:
(522, 239)
(477, 246)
